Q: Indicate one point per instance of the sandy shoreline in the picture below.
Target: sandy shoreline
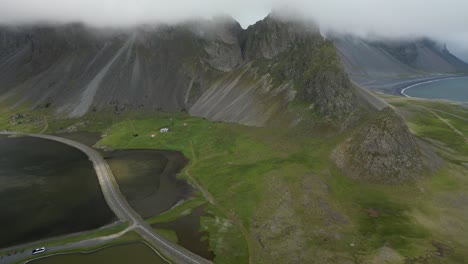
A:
(397, 86)
(402, 91)
(402, 88)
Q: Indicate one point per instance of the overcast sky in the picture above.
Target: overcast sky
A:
(445, 20)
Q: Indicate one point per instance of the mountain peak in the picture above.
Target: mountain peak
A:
(178, 67)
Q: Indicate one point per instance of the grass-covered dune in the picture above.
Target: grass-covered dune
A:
(275, 195)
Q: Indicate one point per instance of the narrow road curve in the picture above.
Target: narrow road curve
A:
(119, 205)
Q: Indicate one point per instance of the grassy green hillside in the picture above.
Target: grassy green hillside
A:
(276, 196)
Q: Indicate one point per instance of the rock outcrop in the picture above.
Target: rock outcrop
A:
(382, 151)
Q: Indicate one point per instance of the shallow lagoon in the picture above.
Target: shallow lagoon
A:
(148, 178)
(187, 228)
(47, 189)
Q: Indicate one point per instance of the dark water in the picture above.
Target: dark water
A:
(123, 254)
(188, 233)
(147, 178)
(46, 189)
(455, 89)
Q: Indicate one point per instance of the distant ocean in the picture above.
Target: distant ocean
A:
(453, 89)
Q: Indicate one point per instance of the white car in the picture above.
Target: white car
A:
(38, 250)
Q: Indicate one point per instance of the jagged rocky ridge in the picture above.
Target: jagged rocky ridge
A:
(276, 72)
(213, 69)
(367, 59)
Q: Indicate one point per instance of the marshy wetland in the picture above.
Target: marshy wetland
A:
(187, 229)
(147, 178)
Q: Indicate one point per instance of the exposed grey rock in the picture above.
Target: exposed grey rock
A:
(17, 119)
(16, 116)
(209, 68)
(383, 151)
(273, 35)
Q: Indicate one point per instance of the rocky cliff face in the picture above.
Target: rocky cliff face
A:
(382, 151)
(76, 69)
(274, 35)
(291, 52)
(213, 69)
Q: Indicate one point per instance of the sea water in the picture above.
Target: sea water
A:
(453, 89)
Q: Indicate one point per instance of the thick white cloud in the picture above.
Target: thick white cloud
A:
(442, 19)
(127, 12)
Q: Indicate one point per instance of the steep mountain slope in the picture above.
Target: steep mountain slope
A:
(372, 59)
(277, 72)
(75, 69)
(213, 69)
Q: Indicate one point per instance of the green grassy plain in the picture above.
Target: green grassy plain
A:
(296, 205)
